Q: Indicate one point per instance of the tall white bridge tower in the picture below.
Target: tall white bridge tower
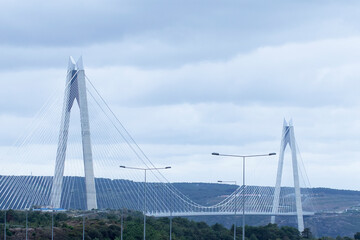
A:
(288, 138)
(75, 89)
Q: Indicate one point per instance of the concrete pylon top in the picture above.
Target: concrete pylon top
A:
(284, 123)
(79, 64)
(71, 64)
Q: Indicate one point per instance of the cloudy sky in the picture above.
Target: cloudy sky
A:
(188, 78)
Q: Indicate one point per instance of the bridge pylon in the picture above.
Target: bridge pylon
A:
(75, 89)
(288, 138)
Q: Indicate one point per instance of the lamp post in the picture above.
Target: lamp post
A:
(171, 215)
(243, 180)
(52, 223)
(83, 230)
(145, 170)
(26, 219)
(122, 223)
(170, 224)
(5, 225)
(235, 205)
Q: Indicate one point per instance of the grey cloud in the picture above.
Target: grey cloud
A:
(161, 33)
(23, 93)
(313, 74)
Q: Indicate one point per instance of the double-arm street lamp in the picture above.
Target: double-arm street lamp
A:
(145, 170)
(243, 180)
(235, 205)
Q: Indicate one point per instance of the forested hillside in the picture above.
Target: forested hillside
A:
(106, 225)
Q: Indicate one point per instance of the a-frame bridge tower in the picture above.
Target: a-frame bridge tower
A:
(75, 89)
(288, 138)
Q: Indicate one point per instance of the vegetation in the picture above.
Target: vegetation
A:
(107, 226)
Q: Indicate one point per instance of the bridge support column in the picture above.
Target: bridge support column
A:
(75, 89)
(288, 137)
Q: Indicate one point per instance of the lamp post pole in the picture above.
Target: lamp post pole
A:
(52, 223)
(26, 231)
(170, 224)
(243, 180)
(122, 223)
(145, 170)
(145, 205)
(83, 232)
(171, 213)
(235, 205)
(243, 201)
(5, 225)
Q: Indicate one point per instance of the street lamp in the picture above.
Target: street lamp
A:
(83, 232)
(145, 170)
(52, 223)
(26, 231)
(243, 181)
(171, 210)
(122, 223)
(5, 224)
(235, 205)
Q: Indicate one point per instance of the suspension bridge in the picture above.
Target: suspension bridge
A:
(70, 157)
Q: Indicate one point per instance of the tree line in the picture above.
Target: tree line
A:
(106, 225)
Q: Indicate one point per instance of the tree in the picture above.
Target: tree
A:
(357, 235)
(306, 233)
(253, 237)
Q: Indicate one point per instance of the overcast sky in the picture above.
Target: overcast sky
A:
(188, 78)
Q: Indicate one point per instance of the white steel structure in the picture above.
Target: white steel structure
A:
(75, 89)
(288, 138)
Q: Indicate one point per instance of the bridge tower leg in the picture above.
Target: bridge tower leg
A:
(288, 137)
(75, 89)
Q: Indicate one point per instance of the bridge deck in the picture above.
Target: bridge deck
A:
(187, 214)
